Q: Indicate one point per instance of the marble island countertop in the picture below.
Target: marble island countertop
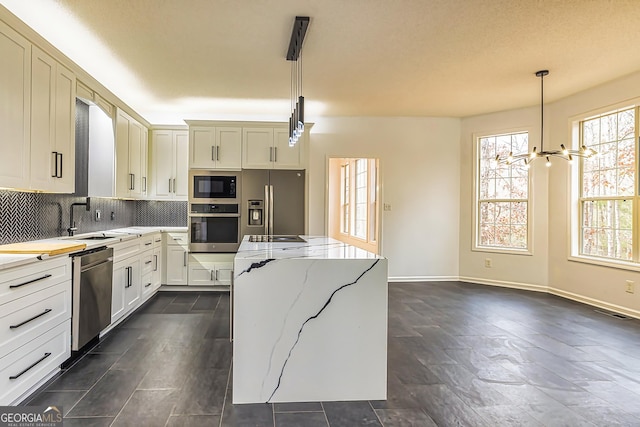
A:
(115, 236)
(313, 247)
(309, 322)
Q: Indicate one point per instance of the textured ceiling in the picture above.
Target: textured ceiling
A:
(225, 58)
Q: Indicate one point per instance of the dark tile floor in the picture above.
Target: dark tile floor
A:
(459, 355)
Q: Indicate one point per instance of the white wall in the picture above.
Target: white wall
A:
(590, 283)
(549, 268)
(420, 177)
(524, 271)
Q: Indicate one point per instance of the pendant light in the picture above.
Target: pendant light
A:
(294, 54)
(563, 153)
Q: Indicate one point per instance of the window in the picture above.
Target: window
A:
(608, 194)
(502, 194)
(353, 202)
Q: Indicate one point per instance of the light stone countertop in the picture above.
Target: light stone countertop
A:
(118, 235)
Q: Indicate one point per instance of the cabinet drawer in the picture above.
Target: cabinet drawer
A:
(147, 285)
(26, 366)
(125, 250)
(179, 239)
(20, 281)
(26, 318)
(157, 240)
(147, 242)
(147, 263)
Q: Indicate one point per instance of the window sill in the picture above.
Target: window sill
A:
(525, 252)
(621, 265)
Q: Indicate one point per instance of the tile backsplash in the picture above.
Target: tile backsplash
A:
(31, 216)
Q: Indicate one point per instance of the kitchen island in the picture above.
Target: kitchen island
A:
(309, 322)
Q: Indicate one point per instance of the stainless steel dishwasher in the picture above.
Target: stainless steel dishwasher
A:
(92, 282)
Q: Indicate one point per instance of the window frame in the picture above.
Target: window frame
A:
(477, 137)
(371, 206)
(575, 212)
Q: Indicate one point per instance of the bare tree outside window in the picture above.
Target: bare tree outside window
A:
(503, 193)
(608, 185)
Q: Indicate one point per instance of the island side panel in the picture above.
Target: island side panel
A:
(310, 330)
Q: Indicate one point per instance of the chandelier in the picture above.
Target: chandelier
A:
(296, 121)
(563, 153)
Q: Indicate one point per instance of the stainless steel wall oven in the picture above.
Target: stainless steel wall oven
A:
(214, 227)
(214, 210)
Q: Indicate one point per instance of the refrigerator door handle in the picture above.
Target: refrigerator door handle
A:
(266, 209)
(270, 209)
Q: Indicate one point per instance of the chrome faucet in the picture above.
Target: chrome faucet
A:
(72, 229)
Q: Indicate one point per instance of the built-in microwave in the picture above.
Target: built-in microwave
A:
(207, 186)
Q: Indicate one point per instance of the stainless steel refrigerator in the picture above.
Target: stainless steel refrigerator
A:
(272, 202)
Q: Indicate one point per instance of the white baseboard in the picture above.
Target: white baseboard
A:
(595, 302)
(423, 278)
(505, 284)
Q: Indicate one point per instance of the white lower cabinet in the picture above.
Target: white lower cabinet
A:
(126, 292)
(29, 365)
(176, 253)
(210, 269)
(35, 325)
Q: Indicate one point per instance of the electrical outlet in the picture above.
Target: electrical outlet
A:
(386, 206)
(488, 263)
(631, 287)
(98, 215)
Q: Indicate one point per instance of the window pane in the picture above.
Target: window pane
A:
(607, 228)
(503, 190)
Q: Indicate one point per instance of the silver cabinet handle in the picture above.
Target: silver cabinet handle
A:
(29, 320)
(275, 154)
(185, 259)
(46, 276)
(155, 268)
(144, 187)
(147, 285)
(174, 185)
(217, 275)
(218, 153)
(59, 175)
(131, 181)
(129, 277)
(55, 164)
(213, 152)
(211, 275)
(169, 185)
(148, 243)
(271, 154)
(18, 375)
(148, 262)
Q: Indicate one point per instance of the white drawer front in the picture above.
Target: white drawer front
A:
(20, 281)
(177, 239)
(147, 285)
(125, 250)
(147, 263)
(147, 242)
(28, 365)
(157, 240)
(26, 318)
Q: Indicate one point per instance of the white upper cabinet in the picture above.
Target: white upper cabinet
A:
(15, 96)
(169, 164)
(131, 157)
(268, 148)
(53, 97)
(215, 147)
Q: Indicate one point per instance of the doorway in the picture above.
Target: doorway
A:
(353, 209)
